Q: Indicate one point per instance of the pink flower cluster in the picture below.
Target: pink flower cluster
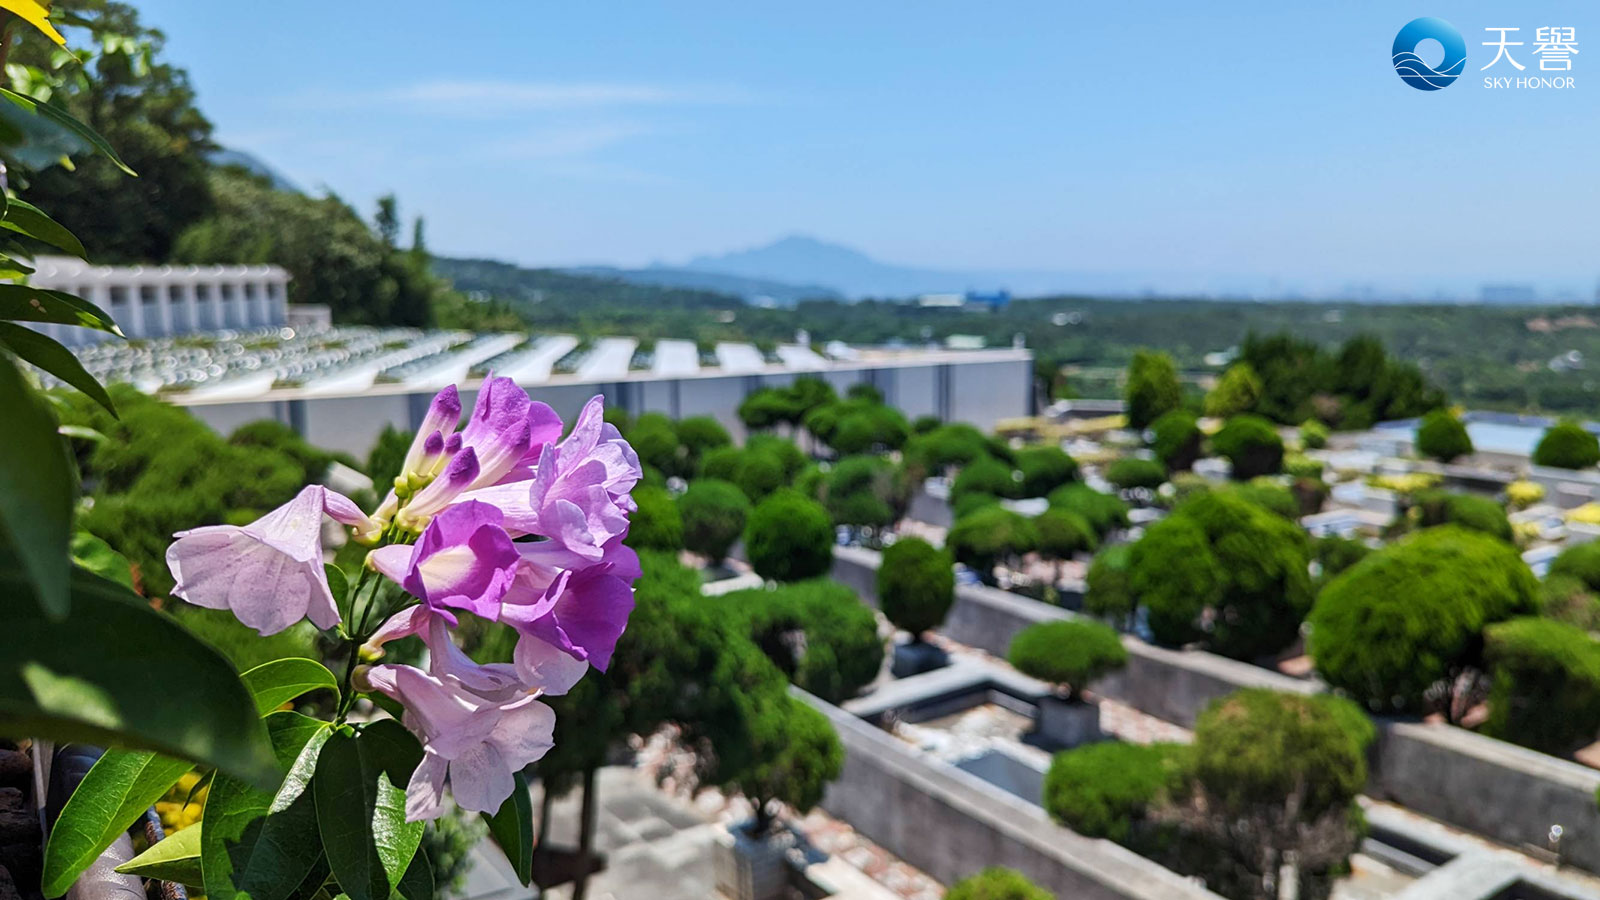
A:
(502, 519)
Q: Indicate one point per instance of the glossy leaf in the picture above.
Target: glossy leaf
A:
(35, 14)
(49, 355)
(417, 882)
(38, 484)
(25, 218)
(176, 858)
(118, 789)
(512, 829)
(97, 556)
(281, 680)
(91, 677)
(361, 808)
(249, 852)
(59, 117)
(34, 142)
(21, 303)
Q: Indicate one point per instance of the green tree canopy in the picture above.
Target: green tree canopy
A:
(1252, 445)
(1152, 388)
(997, 883)
(1069, 653)
(1546, 684)
(789, 537)
(1442, 436)
(1567, 445)
(1237, 391)
(713, 514)
(1175, 440)
(1106, 789)
(1043, 470)
(916, 585)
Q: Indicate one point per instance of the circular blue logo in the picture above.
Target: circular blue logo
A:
(1410, 66)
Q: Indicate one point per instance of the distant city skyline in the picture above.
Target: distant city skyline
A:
(1244, 150)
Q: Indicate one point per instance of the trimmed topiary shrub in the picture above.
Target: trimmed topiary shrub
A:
(1252, 445)
(1152, 388)
(984, 475)
(956, 444)
(802, 754)
(656, 524)
(817, 632)
(1313, 435)
(713, 514)
(1104, 790)
(865, 490)
(698, 434)
(1069, 654)
(1466, 510)
(793, 458)
(997, 884)
(1546, 684)
(1408, 619)
(1221, 553)
(1567, 445)
(1237, 391)
(721, 463)
(1581, 562)
(1043, 470)
(1132, 472)
(990, 535)
(1333, 554)
(789, 538)
(1567, 599)
(1110, 591)
(916, 585)
(1442, 436)
(967, 504)
(656, 441)
(1175, 440)
(759, 474)
(1269, 495)
(1062, 534)
(1103, 512)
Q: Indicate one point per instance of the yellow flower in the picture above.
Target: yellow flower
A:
(35, 14)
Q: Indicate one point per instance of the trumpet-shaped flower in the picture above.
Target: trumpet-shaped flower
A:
(463, 560)
(470, 741)
(269, 573)
(580, 612)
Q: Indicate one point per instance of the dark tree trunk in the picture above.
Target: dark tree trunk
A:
(585, 835)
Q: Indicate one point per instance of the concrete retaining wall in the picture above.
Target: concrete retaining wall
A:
(952, 824)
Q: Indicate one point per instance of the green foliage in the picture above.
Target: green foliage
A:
(996, 883)
(1313, 434)
(789, 537)
(1269, 495)
(858, 425)
(1063, 534)
(1237, 391)
(1110, 588)
(955, 444)
(699, 434)
(1546, 684)
(787, 452)
(713, 514)
(657, 523)
(1104, 512)
(1175, 440)
(989, 536)
(865, 490)
(1068, 653)
(1298, 465)
(984, 475)
(1410, 617)
(722, 463)
(1581, 561)
(387, 457)
(1333, 554)
(654, 437)
(1043, 470)
(1567, 445)
(1105, 789)
(1152, 388)
(118, 789)
(1567, 599)
(967, 504)
(271, 435)
(1467, 510)
(802, 754)
(1353, 388)
(1132, 472)
(1220, 552)
(817, 632)
(916, 585)
(1251, 444)
(1442, 436)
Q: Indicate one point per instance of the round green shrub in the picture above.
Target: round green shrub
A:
(1103, 790)
(1567, 445)
(721, 463)
(817, 632)
(865, 490)
(1043, 470)
(1062, 534)
(1333, 554)
(653, 438)
(984, 475)
(1269, 495)
(1298, 465)
(1442, 436)
(1567, 599)
(925, 424)
(988, 536)
(800, 753)
(997, 883)
(1069, 653)
(967, 504)
(1581, 562)
(698, 434)
(656, 524)
(1104, 512)
(956, 444)
(1133, 472)
(1467, 510)
(789, 538)
(1546, 684)
(760, 473)
(1251, 444)
(713, 514)
(1237, 391)
(916, 585)
(1110, 592)
(1152, 388)
(1175, 440)
(1411, 616)
(793, 458)
(1313, 434)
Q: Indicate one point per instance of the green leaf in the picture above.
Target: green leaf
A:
(21, 303)
(50, 356)
(337, 583)
(25, 218)
(512, 829)
(276, 683)
(97, 556)
(249, 852)
(177, 858)
(38, 485)
(417, 882)
(119, 787)
(59, 117)
(115, 672)
(361, 808)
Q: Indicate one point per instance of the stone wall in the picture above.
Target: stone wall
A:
(952, 824)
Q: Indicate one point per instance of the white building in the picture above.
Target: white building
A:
(162, 301)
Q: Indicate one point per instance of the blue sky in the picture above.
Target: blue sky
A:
(1250, 140)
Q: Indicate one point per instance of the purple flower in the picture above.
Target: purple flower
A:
(269, 573)
(473, 742)
(464, 560)
(580, 612)
(440, 420)
(537, 666)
